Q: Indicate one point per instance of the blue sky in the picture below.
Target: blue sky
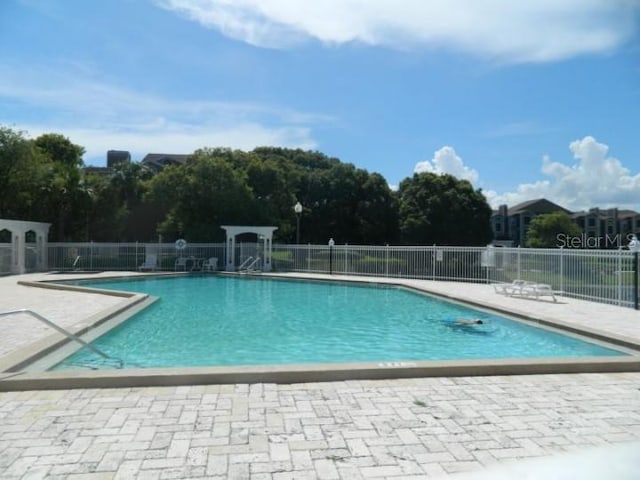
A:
(526, 99)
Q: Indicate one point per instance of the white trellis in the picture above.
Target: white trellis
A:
(266, 233)
(18, 230)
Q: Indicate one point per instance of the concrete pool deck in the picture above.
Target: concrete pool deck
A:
(402, 428)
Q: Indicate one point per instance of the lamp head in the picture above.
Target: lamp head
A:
(297, 208)
(331, 242)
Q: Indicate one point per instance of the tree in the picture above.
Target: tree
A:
(137, 218)
(442, 210)
(201, 196)
(65, 196)
(102, 222)
(43, 180)
(273, 193)
(547, 230)
(377, 212)
(22, 172)
(61, 150)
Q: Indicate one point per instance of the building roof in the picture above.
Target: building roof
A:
(627, 213)
(537, 206)
(161, 160)
(605, 213)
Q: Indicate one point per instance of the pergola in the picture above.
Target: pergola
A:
(263, 232)
(18, 230)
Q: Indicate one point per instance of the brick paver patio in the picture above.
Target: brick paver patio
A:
(397, 429)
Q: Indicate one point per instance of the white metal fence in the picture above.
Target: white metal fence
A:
(598, 275)
(434, 263)
(90, 256)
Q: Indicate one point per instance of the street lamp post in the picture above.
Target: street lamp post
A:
(331, 244)
(634, 246)
(298, 209)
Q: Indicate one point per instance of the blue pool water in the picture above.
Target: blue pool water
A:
(214, 321)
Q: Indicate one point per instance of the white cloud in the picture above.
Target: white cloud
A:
(444, 161)
(100, 117)
(175, 138)
(504, 30)
(593, 180)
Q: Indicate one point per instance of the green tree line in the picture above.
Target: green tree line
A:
(43, 179)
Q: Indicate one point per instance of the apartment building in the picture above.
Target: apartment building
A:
(602, 228)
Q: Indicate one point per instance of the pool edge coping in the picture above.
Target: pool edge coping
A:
(302, 373)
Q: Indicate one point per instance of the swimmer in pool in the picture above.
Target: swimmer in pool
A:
(463, 322)
(468, 321)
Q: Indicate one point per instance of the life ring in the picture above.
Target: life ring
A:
(181, 244)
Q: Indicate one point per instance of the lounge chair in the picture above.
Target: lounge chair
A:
(150, 262)
(525, 289)
(210, 265)
(538, 290)
(509, 288)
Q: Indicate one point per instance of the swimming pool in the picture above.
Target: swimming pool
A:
(222, 321)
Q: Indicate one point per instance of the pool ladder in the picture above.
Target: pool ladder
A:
(243, 265)
(66, 333)
(251, 268)
(249, 265)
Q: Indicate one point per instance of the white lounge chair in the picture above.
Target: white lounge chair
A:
(526, 289)
(538, 290)
(210, 265)
(150, 262)
(509, 288)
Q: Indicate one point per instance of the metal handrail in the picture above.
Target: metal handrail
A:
(253, 264)
(66, 333)
(244, 264)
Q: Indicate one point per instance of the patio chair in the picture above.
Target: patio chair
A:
(150, 262)
(210, 265)
(181, 264)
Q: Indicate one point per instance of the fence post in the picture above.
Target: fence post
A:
(635, 280)
(346, 245)
(386, 261)
(91, 256)
(619, 275)
(433, 262)
(308, 257)
(488, 262)
(561, 269)
(519, 277)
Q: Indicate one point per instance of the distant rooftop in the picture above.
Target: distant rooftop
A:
(539, 205)
(542, 205)
(160, 160)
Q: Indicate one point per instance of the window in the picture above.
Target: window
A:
(591, 222)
